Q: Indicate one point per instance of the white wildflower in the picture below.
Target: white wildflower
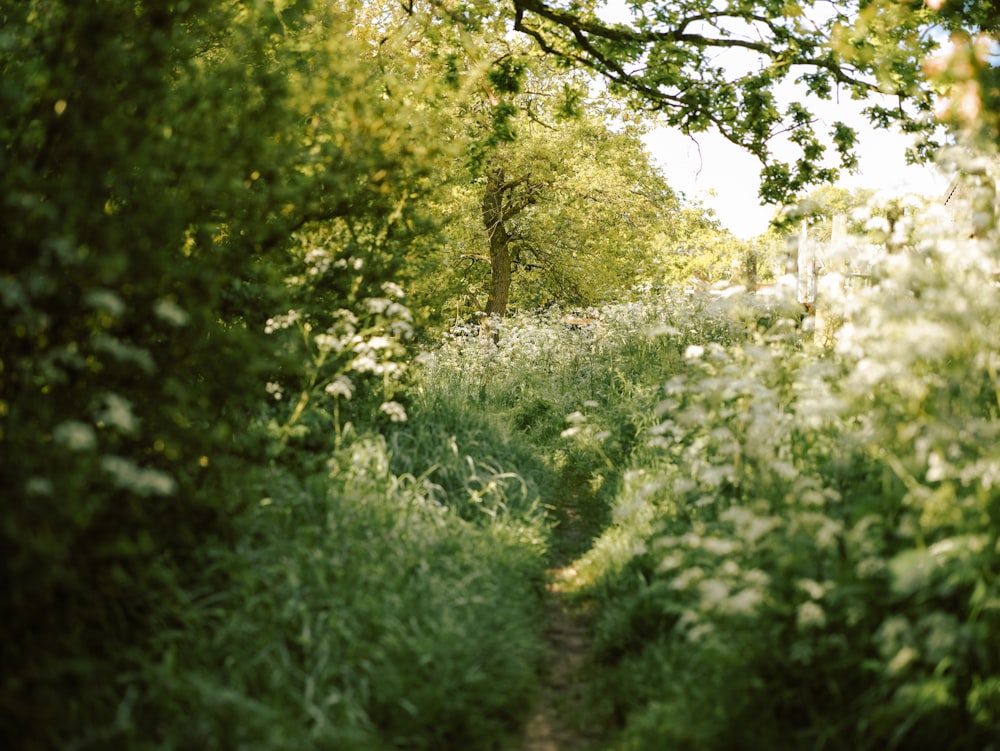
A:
(878, 224)
(117, 412)
(106, 300)
(281, 322)
(318, 260)
(341, 386)
(744, 602)
(377, 304)
(870, 568)
(347, 317)
(127, 475)
(671, 562)
(812, 588)
(395, 411)
(328, 343)
(694, 352)
(718, 546)
(379, 342)
(401, 329)
(274, 389)
(392, 289)
(170, 312)
(124, 352)
(810, 615)
(755, 577)
(700, 632)
(364, 363)
(687, 577)
(75, 435)
(713, 592)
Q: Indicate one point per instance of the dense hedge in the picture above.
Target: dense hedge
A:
(157, 159)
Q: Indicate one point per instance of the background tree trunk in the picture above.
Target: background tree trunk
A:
(499, 241)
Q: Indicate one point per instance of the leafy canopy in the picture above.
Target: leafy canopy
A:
(725, 66)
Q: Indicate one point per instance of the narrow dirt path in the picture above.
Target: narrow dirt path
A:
(560, 719)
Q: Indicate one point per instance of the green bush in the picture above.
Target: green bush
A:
(814, 532)
(161, 160)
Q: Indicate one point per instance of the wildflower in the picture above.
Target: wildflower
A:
(118, 413)
(718, 546)
(341, 386)
(170, 312)
(364, 363)
(394, 410)
(106, 300)
(274, 389)
(393, 290)
(744, 602)
(377, 304)
(813, 588)
(810, 615)
(281, 322)
(328, 343)
(127, 475)
(379, 342)
(713, 592)
(694, 352)
(687, 577)
(75, 435)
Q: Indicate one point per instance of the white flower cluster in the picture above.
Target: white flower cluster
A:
(283, 321)
(143, 481)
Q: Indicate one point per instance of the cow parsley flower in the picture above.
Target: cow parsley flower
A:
(170, 312)
(341, 386)
(395, 411)
(75, 435)
(810, 615)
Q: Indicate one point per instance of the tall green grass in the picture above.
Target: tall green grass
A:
(387, 596)
(363, 612)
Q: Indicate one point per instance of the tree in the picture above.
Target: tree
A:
(555, 202)
(575, 207)
(701, 66)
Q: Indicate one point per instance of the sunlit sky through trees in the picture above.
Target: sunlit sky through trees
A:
(723, 177)
(708, 168)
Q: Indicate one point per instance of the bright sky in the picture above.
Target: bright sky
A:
(726, 178)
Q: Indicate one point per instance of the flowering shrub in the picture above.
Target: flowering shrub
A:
(342, 348)
(815, 564)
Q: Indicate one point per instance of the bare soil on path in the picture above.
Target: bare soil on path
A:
(561, 719)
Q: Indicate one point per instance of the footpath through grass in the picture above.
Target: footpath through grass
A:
(777, 540)
(688, 527)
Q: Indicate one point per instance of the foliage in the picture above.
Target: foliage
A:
(694, 247)
(590, 204)
(718, 67)
(805, 555)
(363, 614)
(145, 229)
(233, 518)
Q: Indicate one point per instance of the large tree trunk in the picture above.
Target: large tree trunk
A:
(499, 242)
